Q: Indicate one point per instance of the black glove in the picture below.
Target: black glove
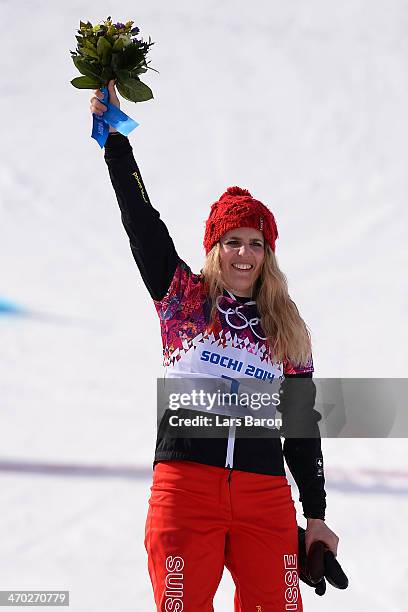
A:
(319, 565)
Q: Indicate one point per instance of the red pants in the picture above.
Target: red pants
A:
(203, 517)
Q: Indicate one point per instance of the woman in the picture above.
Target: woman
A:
(222, 500)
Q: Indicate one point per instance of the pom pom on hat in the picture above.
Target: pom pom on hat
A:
(237, 208)
(236, 191)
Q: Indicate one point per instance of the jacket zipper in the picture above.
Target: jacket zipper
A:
(229, 460)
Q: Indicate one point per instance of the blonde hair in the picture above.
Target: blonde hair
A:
(287, 333)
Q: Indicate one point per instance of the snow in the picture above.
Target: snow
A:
(304, 105)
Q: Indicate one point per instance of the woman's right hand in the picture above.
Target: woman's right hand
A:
(98, 107)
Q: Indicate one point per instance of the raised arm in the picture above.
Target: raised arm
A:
(151, 245)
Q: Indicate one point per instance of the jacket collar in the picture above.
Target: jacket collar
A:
(249, 302)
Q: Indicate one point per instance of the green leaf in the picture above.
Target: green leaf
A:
(121, 41)
(85, 82)
(104, 49)
(118, 45)
(132, 57)
(122, 91)
(107, 74)
(89, 44)
(124, 74)
(134, 90)
(137, 71)
(89, 51)
(102, 46)
(117, 61)
(106, 59)
(87, 68)
(130, 74)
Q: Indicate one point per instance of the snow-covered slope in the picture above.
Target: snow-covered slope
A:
(305, 105)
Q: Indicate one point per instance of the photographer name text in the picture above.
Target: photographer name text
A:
(223, 421)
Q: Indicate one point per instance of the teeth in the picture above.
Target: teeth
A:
(242, 266)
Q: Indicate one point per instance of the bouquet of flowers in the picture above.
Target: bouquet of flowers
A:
(112, 51)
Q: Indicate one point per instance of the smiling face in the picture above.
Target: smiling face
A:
(242, 252)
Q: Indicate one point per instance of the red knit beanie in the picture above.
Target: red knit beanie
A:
(237, 208)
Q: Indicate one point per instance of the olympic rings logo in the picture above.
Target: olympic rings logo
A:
(252, 323)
